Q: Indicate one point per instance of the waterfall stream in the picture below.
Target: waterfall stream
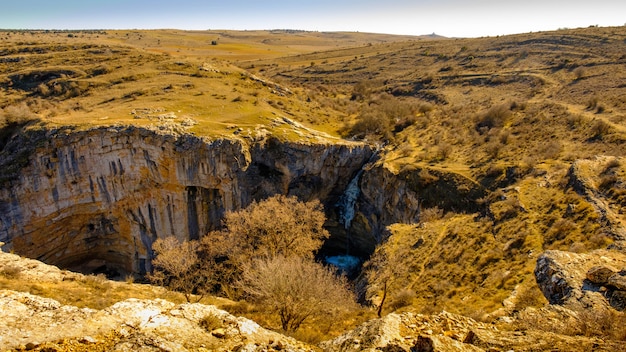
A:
(346, 208)
(347, 201)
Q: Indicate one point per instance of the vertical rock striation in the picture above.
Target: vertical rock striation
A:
(105, 194)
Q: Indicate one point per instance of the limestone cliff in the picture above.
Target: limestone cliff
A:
(389, 197)
(106, 194)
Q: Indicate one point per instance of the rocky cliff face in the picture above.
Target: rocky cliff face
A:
(389, 197)
(104, 195)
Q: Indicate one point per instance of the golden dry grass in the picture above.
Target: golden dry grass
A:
(509, 113)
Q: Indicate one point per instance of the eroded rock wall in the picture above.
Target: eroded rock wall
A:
(106, 194)
(389, 197)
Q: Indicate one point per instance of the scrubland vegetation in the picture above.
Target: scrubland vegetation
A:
(265, 255)
(511, 114)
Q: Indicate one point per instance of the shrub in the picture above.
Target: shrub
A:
(426, 108)
(211, 322)
(431, 214)
(599, 129)
(592, 103)
(16, 115)
(98, 282)
(176, 266)
(402, 298)
(43, 90)
(382, 117)
(277, 226)
(580, 72)
(295, 289)
(496, 116)
(11, 271)
(372, 124)
(529, 296)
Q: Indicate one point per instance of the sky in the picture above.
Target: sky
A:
(451, 18)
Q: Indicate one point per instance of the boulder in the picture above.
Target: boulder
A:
(599, 275)
(618, 300)
(563, 277)
(441, 343)
(617, 281)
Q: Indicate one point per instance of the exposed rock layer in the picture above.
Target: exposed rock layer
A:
(451, 332)
(131, 325)
(571, 279)
(106, 194)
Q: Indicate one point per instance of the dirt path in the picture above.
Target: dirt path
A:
(442, 234)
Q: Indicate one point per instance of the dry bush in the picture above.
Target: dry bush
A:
(580, 72)
(211, 322)
(599, 129)
(363, 90)
(592, 103)
(496, 116)
(425, 108)
(295, 289)
(402, 298)
(426, 177)
(493, 149)
(612, 164)
(529, 296)
(98, 282)
(371, 125)
(431, 214)
(444, 150)
(604, 323)
(11, 271)
(176, 266)
(277, 226)
(237, 308)
(550, 150)
(43, 90)
(575, 121)
(382, 117)
(16, 115)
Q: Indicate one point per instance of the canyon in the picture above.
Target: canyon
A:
(102, 196)
(474, 183)
(97, 199)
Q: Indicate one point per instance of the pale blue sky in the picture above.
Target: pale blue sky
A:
(458, 18)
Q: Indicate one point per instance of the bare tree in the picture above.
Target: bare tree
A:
(177, 267)
(296, 289)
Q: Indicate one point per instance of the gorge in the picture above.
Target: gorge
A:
(105, 194)
(98, 198)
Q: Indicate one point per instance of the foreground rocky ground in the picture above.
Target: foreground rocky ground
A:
(580, 318)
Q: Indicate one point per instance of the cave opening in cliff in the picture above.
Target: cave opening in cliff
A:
(89, 245)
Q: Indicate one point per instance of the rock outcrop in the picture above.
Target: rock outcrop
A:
(37, 323)
(449, 332)
(597, 180)
(390, 197)
(105, 194)
(582, 281)
(31, 322)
